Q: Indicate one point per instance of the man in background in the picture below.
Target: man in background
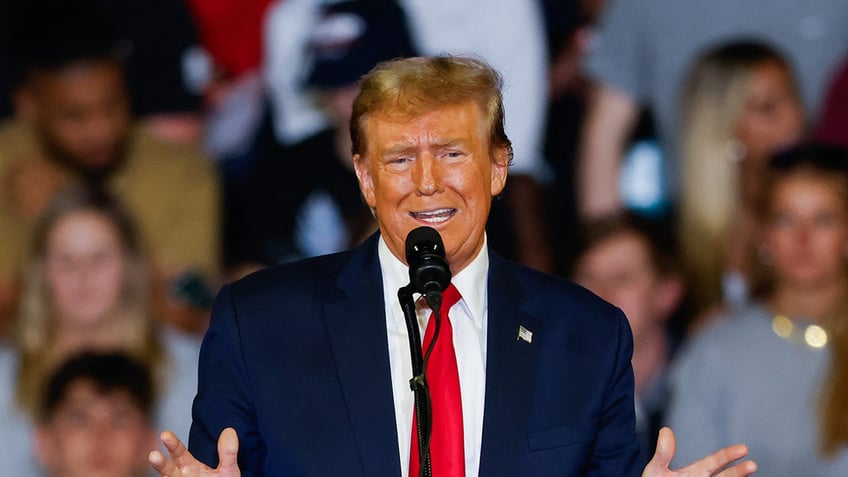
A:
(96, 418)
(75, 126)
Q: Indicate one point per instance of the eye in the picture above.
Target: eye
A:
(782, 221)
(826, 220)
(453, 154)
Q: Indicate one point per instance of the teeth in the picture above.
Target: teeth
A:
(435, 212)
(434, 216)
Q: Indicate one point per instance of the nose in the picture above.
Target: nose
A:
(427, 175)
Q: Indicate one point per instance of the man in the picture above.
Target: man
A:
(96, 418)
(74, 126)
(507, 34)
(309, 361)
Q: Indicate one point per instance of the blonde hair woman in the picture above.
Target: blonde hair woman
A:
(86, 286)
(86, 289)
(739, 104)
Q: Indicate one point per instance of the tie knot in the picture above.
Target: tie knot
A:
(450, 297)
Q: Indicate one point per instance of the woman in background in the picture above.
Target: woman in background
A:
(87, 289)
(774, 373)
(739, 105)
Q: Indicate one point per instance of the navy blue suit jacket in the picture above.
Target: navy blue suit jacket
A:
(296, 359)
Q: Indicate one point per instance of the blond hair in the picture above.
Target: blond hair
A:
(36, 332)
(411, 87)
(712, 100)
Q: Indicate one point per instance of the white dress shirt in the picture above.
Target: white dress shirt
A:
(468, 319)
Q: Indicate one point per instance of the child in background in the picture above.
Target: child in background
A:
(95, 418)
(625, 260)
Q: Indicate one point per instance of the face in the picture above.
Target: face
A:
(436, 170)
(85, 268)
(95, 435)
(81, 113)
(620, 270)
(806, 234)
(772, 116)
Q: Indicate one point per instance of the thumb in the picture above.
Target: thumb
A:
(666, 445)
(228, 451)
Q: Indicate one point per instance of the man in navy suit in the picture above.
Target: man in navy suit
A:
(307, 363)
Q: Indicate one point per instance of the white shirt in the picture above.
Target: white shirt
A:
(468, 319)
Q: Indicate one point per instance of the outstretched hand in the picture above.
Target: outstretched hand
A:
(711, 465)
(180, 462)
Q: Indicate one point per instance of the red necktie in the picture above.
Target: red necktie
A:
(447, 446)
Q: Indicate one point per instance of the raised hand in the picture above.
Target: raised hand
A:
(181, 463)
(711, 465)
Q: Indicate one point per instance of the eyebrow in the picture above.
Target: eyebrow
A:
(403, 147)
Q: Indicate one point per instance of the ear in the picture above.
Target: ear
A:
(366, 182)
(668, 295)
(25, 103)
(500, 166)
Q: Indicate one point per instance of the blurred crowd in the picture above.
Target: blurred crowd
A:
(683, 159)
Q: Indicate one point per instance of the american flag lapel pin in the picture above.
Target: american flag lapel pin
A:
(524, 334)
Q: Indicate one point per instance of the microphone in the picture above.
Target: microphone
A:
(429, 272)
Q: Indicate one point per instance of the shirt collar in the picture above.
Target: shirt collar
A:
(396, 275)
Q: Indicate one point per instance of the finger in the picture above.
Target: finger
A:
(164, 466)
(720, 458)
(666, 446)
(179, 454)
(228, 450)
(743, 469)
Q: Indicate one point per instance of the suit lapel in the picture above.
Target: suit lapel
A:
(510, 370)
(364, 373)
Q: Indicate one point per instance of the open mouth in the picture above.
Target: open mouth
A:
(434, 216)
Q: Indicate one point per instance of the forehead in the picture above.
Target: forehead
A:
(618, 251)
(88, 78)
(83, 393)
(807, 188)
(392, 129)
(84, 227)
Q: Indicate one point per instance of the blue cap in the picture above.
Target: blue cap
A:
(354, 36)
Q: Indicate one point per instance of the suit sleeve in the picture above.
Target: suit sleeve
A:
(616, 450)
(224, 392)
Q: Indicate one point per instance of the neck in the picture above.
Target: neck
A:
(650, 357)
(104, 335)
(816, 303)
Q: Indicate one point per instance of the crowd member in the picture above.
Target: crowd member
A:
(310, 189)
(626, 261)
(508, 34)
(314, 385)
(165, 67)
(774, 373)
(832, 126)
(95, 418)
(739, 105)
(75, 126)
(642, 51)
(87, 288)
